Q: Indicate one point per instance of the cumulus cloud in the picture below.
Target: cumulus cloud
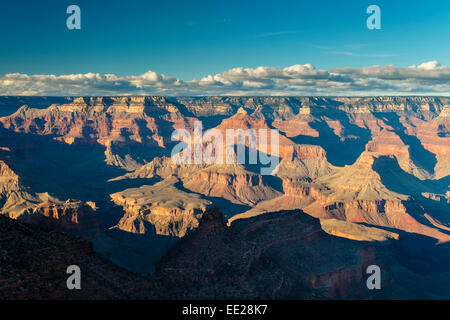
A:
(302, 79)
(425, 72)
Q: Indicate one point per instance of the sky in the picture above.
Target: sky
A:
(199, 47)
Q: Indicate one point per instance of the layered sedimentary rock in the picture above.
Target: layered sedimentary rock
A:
(310, 163)
(162, 167)
(260, 258)
(67, 216)
(287, 255)
(281, 255)
(435, 138)
(160, 209)
(358, 193)
(353, 231)
(231, 182)
(41, 208)
(256, 122)
(297, 193)
(389, 143)
(379, 161)
(358, 181)
(118, 123)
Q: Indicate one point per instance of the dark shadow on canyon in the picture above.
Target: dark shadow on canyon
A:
(225, 205)
(136, 252)
(395, 179)
(419, 253)
(420, 156)
(9, 105)
(340, 151)
(76, 171)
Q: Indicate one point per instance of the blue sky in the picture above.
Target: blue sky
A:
(190, 40)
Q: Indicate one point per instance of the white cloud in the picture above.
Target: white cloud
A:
(301, 79)
(431, 71)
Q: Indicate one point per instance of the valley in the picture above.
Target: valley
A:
(360, 180)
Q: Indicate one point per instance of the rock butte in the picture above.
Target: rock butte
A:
(372, 169)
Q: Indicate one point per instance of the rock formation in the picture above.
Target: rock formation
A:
(160, 209)
(231, 182)
(42, 209)
(281, 255)
(370, 168)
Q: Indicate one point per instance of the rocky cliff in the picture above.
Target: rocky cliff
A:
(17, 202)
(378, 161)
(281, 255)
(161, 209)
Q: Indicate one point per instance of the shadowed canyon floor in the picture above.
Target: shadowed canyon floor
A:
(281, 255)
(367, 176)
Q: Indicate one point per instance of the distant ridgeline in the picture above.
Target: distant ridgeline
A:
(10, 104)
(206, 105)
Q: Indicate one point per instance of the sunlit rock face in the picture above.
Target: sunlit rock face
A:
(40, 208)
(372, 169)
(160, 209)
(322, 143)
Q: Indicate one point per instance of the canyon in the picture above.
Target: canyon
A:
(360, 181)
(280, 255)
